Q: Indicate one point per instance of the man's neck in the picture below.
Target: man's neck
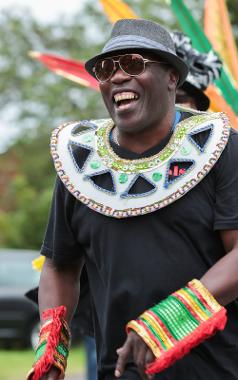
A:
(142, 141)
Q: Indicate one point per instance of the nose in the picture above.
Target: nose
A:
(119, 75)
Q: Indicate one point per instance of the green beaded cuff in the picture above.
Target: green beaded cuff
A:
(179, 323)
(53, 346)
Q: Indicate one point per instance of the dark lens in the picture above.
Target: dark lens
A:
(104, 69)
(132, 64)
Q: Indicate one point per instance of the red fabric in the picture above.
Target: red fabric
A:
(69, 68)
(202, 332)
(43, 365)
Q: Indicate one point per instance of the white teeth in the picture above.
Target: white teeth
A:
(125, 96)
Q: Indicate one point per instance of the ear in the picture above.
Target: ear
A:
(173, 79)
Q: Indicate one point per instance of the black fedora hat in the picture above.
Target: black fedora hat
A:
(140, 34)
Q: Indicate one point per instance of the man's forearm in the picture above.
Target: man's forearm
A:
(222, 278)
(59, 285)
(58, 298)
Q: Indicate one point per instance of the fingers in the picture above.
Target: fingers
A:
(139, 355)
(142, 355)
(149, 358)
(123, 354)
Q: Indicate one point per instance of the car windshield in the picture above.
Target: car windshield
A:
(15, 273)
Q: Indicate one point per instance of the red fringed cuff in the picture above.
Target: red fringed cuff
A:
(53, 346)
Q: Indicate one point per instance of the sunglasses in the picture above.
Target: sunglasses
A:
(131, 64)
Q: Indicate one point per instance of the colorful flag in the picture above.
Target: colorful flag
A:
(67, 68)
(219, 31)
(201, 43)
(117, 9)
(218, 104)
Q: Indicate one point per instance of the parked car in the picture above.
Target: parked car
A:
(19, 317)
(19, 314)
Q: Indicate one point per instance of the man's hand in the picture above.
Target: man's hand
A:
(142, 355)
(53, 374)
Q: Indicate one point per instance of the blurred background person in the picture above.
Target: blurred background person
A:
(204, 69)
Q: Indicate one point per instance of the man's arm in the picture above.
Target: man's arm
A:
(222, 282)
(222, 278)
(59, 285)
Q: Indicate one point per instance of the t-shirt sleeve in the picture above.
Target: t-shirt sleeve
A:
(226, 201)
(60, 243)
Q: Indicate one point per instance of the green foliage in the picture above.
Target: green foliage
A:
(24, 225)
(15, 364)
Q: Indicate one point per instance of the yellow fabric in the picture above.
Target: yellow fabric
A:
(38, 263)
(218, 29)
(218, 104)
(116, 10)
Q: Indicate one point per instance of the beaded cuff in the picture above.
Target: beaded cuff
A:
(179, 323)
(53, 346)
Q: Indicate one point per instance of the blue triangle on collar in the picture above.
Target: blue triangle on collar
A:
(177, 169)
(201, 136)
(140, 186)
(102, 180)
(80, 154)
(82, 127)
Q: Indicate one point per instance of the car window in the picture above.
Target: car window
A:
(17, 273)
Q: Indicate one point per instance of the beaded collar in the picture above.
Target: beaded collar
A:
(83, 155)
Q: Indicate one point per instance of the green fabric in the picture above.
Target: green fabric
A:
(40, 351)
(176, 316)
(201, 43)
(62, 350)
(169, 317)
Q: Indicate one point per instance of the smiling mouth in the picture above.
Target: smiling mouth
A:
(125, 99)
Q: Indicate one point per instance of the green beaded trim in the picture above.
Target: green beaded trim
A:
(113, 161)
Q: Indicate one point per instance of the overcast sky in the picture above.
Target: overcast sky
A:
(45, 10)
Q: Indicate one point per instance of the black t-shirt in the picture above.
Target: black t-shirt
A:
(135, 262)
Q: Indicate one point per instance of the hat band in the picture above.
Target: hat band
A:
(132, 41)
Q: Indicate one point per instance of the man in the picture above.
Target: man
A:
(204, 69)
(148, 201)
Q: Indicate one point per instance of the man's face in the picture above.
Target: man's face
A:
(139, 102)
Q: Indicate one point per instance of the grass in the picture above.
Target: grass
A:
(14, 364)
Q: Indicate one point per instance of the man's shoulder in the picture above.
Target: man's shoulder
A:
(199, 115)
(234, 134)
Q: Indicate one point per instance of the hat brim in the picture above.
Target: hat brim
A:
(202, 101)
(172, 59)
